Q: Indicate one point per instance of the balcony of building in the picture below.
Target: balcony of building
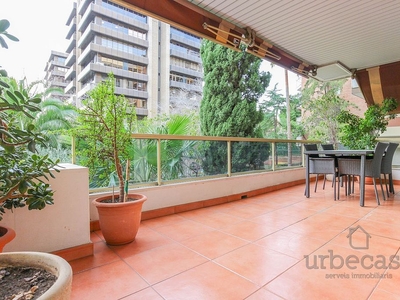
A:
(277, 245)
(71, 58)
(233, 235)
(185, 38)
(111, 12)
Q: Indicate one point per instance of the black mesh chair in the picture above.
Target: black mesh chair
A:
(352, 166)
(321, 166)
(312, 147)
(386, 167)
(328, 147)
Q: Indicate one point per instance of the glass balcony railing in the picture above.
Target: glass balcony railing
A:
(165, 159)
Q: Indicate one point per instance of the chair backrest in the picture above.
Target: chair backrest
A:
(322, 165)
(311, 147)
(327, 146)
(386, 166)
(377, 160)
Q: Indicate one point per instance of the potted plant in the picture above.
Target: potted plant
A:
(22, 171)
(23, 175)
(362, 133)
(47, 267)
(106, 121)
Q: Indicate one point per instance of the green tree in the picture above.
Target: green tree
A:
(106, 123)
(274, 123)
(233, 86)
(23, 173)
(322, 104)
(295, 115)
(175, 154)
(362, 133)
(54, 116)
(273, 108)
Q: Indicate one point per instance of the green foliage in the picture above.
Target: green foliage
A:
(63, 153)
(4, 25)
(22, 171)
(274, 123)
(322, 105)
(233, 86)
(174, 153)
(105, 125)
(53, 116)
(362, 133)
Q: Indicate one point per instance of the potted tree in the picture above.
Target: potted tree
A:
(22, 171)
(362, 133)
(106, 122)
(23, 175)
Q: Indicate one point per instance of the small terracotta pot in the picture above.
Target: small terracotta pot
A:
(119, 222)
(6, 235)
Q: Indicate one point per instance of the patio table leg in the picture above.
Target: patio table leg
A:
(362, 179)
(307, 176)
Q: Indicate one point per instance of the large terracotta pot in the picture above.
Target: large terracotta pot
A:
(119, 222)
(61, 289)
(6, 235)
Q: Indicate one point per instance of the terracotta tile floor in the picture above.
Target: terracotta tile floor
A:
(279, 245)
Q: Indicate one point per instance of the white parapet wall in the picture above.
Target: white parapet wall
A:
(65, 224)
(189, 192)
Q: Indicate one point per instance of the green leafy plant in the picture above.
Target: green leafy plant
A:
(4, 25)
(322, 104)
(362, 133)
(105, 125)
(22, 171)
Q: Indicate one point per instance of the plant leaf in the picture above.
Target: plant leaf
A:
(11, 37)
(4, 24)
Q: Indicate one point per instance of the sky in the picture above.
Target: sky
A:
(40, 26)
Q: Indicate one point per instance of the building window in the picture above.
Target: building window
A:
(183, 49)
(175, 61)
(183, 79)
(124, 47)
(118, 82)
(185, 35)
(139, 103)
(124, 11)
(124, 29)
(137, 85)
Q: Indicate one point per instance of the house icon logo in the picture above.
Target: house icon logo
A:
(358, 238)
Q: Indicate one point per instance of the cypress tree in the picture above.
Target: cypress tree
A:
(233, 85)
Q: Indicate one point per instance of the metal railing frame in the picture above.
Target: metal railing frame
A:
(160, 137)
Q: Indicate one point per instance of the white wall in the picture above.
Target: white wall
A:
(62, 225)
(188, 192)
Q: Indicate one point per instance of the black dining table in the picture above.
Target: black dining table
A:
(358, 153)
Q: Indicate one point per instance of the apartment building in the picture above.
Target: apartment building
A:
(55, 75)
(156, 66)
